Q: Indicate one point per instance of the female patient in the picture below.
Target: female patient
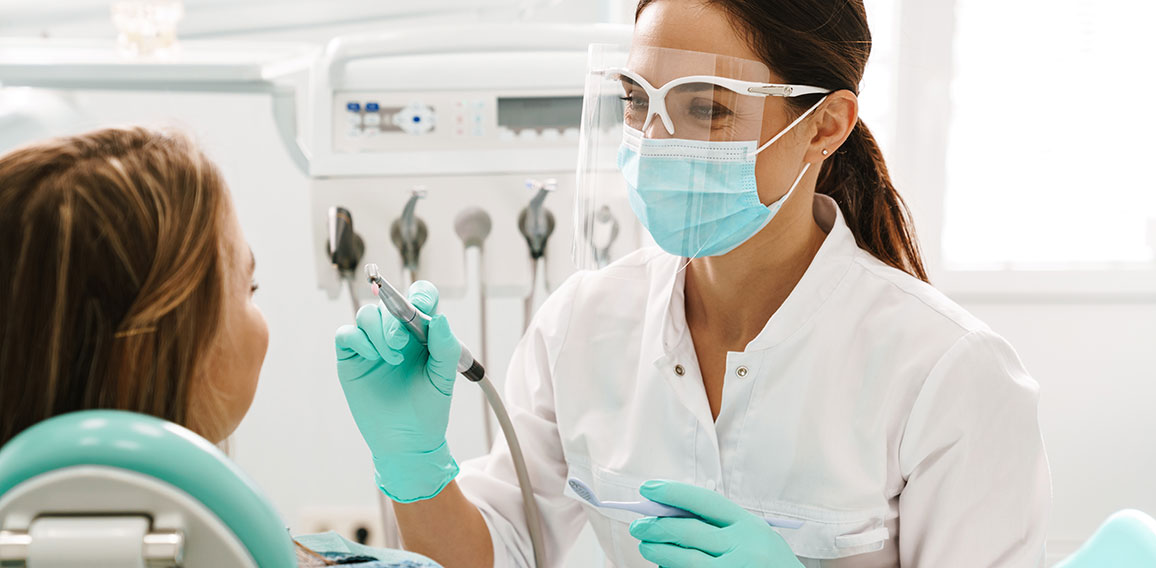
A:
(125, 283)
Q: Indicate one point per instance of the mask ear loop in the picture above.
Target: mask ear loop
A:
(788, 128)
(778, 204)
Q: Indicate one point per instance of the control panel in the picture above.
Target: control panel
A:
(376, 122)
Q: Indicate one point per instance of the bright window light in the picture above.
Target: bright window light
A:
(1051, 147)
(877, 92)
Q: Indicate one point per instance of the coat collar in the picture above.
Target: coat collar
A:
(826, 270)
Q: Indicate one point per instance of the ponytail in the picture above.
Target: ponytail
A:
(856, 177)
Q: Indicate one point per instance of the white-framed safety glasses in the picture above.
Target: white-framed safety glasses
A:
(697, 107)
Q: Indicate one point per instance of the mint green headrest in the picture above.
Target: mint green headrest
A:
(159, 449)
(1126, 540)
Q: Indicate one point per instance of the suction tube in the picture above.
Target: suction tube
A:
(473, 225)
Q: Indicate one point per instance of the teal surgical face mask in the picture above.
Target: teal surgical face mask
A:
(698, 198)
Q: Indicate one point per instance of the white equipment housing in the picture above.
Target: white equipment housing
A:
(468, 112)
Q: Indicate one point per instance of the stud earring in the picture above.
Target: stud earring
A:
(826, 151)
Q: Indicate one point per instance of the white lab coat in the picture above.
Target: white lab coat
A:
(898, 426)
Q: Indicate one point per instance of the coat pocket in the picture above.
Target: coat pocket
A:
(828, 534)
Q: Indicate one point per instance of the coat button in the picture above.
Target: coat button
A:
(678, 370)
(742, 372)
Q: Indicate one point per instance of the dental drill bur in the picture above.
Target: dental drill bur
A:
(418, 322)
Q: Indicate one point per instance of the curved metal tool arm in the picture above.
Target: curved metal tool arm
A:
(604, 224)
(345, 247)
(535, 221)
(409, 232)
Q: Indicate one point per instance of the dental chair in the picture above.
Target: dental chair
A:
(108, 488)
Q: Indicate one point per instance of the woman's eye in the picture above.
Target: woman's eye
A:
(634, 110)
(253, 286)
(634, 102)
(709, 111)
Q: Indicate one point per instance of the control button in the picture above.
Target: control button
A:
(354, 120)
(570, 133)
(478, 131)
(353, 107)
(415, 118)
(528, 134)
(742, 372)
(551, 134)
(505, 133)
(372, 132)
(372, 120)
(372, 107)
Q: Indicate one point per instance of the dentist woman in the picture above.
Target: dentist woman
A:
(779, 355)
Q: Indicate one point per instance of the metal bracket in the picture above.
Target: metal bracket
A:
(159, 549)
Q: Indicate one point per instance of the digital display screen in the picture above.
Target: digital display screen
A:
(517, 113)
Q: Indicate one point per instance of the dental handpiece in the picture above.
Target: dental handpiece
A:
(418, 322)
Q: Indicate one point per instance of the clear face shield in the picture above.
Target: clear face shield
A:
(673, 135)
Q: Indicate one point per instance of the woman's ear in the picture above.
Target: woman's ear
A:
(834, 121)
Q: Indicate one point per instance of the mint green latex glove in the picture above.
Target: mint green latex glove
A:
(399, 393)
(724, 535)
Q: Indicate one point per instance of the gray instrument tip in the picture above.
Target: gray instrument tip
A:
(372, 273)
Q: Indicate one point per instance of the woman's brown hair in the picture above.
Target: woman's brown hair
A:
(110, 274)
(826, 43)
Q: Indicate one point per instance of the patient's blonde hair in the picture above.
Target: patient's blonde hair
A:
(111, 284)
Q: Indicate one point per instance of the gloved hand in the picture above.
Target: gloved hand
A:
(399, 393)
(725, 535)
